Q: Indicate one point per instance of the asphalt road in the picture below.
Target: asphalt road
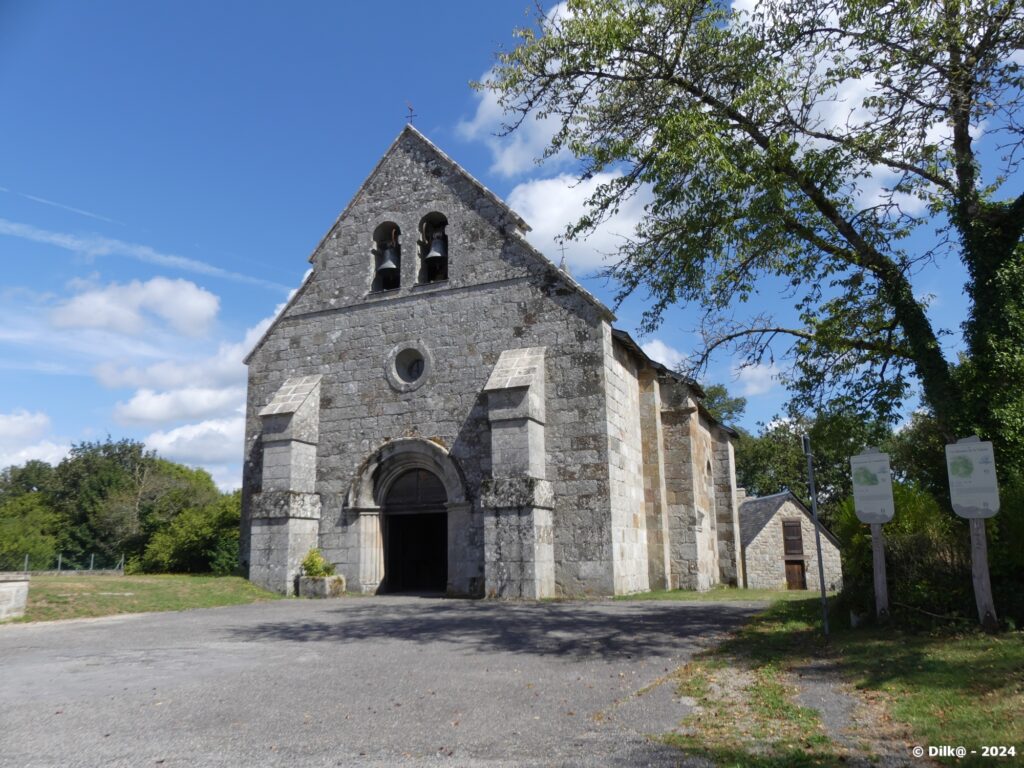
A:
(357, 681)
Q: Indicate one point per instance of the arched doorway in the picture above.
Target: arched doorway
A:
(416, 533)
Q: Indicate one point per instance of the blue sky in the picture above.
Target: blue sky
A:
(167, 168)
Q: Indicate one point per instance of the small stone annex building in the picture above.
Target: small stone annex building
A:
(441, 408)
(777, 535)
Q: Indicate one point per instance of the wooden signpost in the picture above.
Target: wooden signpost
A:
(872, 499)
(974, 491)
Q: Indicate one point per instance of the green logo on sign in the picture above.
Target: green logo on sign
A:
(961, 466)
(864, 476)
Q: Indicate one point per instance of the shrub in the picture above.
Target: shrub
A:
(27, 527)
(316, 565)
(927, 556)
(199, 540)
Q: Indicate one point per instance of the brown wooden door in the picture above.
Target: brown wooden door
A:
(795, 577)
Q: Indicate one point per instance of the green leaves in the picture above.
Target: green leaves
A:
(114, 498)
(809, 142)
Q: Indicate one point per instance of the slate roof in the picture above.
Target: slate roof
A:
(756, 512)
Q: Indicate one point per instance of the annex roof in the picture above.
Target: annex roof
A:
(755, 513)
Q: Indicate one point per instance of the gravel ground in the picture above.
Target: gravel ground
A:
(357, 681)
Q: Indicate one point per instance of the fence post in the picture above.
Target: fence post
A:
(60, 557)
(92, 559)
(26, 562)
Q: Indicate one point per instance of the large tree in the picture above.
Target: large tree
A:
(830, 146)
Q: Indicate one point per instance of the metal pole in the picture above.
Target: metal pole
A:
(817, 531)
(92, 560)
(59, 558)
(26, 563)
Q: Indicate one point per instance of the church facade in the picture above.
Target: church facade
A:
(441, 408)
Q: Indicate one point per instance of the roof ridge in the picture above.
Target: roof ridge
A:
(521, 227)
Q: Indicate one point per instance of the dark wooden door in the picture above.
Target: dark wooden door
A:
(416, 534)
(417, 552)
(795, 576)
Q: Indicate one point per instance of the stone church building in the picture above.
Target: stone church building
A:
(441, 408)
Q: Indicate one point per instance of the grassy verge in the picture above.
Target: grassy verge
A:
(950, 689)
(719, 594)
(746, 718)
(71, 597)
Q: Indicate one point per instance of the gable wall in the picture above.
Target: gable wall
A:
(499, 296)
(764, 557)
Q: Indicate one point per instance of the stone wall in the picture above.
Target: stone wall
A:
(730, 565)
(655, 505)
(704, 497)
(625, 469)
(676, 422)
(13, 595)
(765, 558)
(690, 488)
(499, 295)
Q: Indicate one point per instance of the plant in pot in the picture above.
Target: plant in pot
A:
(318, 578)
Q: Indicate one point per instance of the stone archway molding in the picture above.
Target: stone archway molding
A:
(376, 474)
(370, 486)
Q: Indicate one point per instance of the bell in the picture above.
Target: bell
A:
(390, 260)
(438, 248)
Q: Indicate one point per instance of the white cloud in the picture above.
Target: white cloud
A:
(661, 352)
(21, 425)
(223, 368)
(92, 246)
(549, 205)
(149, 407)
(517, 153)
(183, 305)
(215, 441)
(21, 439)
(228, 477)
(79, 211)
(757, 379)
(44, 450)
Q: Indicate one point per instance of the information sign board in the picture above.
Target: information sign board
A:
(972, 478)
(872, 486)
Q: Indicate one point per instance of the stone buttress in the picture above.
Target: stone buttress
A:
(286, 511)
(517, 499)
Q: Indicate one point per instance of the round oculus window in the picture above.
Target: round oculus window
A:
(409, 365)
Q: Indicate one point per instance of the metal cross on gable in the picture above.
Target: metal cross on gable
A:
(411, 114)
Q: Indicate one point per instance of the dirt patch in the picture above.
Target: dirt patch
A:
(857, 721)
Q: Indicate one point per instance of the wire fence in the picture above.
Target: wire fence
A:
(79, 564)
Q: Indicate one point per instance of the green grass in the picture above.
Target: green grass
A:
(746, 717)
(719, 594)
(963, 688)
(76, 597)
